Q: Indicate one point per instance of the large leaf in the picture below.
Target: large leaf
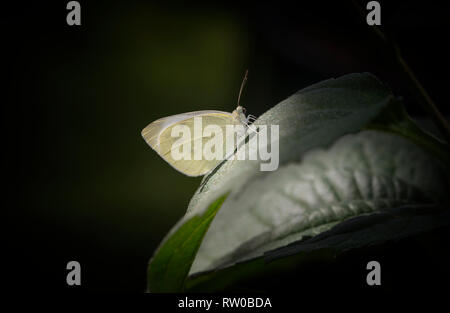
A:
(360, 174)
(314, 189)
(169, 267)
(313, 117)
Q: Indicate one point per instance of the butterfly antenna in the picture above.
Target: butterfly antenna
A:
(244, 80)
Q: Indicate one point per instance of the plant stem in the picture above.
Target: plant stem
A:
(427, 103)
(424, 98)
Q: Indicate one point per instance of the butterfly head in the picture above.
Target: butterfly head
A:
(239, 114)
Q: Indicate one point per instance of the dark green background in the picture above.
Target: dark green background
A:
(84, 185)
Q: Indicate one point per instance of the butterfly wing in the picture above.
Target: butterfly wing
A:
(159, 136)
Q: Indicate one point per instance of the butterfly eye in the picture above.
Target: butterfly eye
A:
(244, 110)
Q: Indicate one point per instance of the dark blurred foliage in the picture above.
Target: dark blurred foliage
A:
(83, 185)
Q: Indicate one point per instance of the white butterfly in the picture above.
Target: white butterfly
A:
(158, 135)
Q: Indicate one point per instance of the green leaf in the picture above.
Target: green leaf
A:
(320, 183)
(359, 174)
(312, 118)
(170, 265)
